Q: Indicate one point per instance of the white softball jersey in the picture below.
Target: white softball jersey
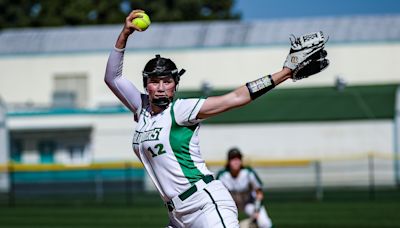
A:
(168, 146)
(246, 181)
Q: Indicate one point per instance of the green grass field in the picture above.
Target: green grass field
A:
(284, 214)
(148, 211)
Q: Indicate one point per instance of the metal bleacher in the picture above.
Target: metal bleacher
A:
(373, 28)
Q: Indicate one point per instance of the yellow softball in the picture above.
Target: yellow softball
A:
(142, 22)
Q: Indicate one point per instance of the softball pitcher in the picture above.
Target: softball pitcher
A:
(166, 136)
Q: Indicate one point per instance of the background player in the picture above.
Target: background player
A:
(166, 136)
(245, 187)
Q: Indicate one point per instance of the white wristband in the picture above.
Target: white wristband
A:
(119, 49)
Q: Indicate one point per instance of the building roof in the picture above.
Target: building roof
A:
(374, 28)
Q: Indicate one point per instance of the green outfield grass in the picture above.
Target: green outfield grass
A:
(339, 209)
(368, 213)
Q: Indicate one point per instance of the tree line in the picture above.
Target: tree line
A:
(42, 13)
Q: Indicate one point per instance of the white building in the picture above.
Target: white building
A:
(61, 111)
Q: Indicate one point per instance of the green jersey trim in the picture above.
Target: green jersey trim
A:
(193, 110)
(221, 172)
(179, 138)
(251, 170)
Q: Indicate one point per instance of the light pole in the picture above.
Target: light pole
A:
(206, 88)
(340, 85)
(396, 137)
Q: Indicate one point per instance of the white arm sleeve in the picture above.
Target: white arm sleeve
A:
(126, 92)
(186, 111)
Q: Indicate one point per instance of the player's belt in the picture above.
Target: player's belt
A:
(186, 194)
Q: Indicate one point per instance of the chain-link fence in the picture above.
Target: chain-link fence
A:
(124, 183)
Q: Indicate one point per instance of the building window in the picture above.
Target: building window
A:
(16, 151)
(46, 151)
(70, 91)
(77, 154)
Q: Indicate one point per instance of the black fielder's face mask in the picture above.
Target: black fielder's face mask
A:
(162, 102)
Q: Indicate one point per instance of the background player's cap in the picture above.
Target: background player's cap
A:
(234, 153)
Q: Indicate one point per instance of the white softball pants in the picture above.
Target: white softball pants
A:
(210, 206)
(263, 220)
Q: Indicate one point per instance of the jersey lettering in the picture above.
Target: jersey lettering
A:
(149, 135)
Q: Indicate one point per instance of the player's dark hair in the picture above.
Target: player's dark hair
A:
(160, 66)
(233, 153)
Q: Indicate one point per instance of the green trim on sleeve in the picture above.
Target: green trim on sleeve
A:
(220, 173)
(255, 174)
(193, 110)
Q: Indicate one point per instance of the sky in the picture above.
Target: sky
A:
(267, 9)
